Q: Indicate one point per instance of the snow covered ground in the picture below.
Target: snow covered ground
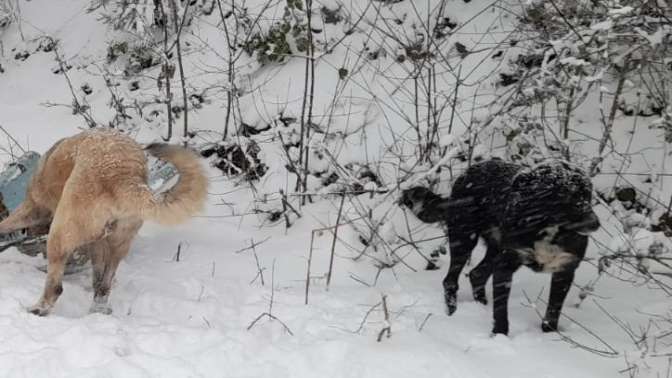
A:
(190, 318)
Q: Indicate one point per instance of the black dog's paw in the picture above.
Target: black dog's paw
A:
(478, 286)
(547, 326)
(451, 303)
(480, 297)
(500, 329)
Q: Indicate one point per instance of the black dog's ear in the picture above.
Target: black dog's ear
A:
(405, 198)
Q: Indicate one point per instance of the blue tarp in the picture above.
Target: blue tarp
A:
(15, 178)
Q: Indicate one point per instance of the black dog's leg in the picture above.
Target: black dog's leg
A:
(505, 264)
(480, 274)
(461, 245)
(561, 282)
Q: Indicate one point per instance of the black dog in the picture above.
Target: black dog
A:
(538, 217)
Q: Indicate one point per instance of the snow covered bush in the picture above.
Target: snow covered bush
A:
(650, 252)
(7, 12)
(140, 27)
(570, 49)
(139, 16)
(235, 159)
(284, 38)
(145, 17)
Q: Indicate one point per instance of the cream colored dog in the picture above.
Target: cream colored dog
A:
(92, 189)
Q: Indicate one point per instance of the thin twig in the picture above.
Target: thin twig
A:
(269, 313)
(333, 241)
(2, 128)
(387, 329)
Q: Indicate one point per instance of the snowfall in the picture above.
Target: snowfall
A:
(193, 314)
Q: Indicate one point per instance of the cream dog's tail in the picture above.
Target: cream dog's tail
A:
(180, 202)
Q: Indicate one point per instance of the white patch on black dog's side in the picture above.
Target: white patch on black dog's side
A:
(549, 233)
(551, 257)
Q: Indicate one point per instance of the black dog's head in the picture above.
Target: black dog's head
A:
(426, 205)
(412, 197)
